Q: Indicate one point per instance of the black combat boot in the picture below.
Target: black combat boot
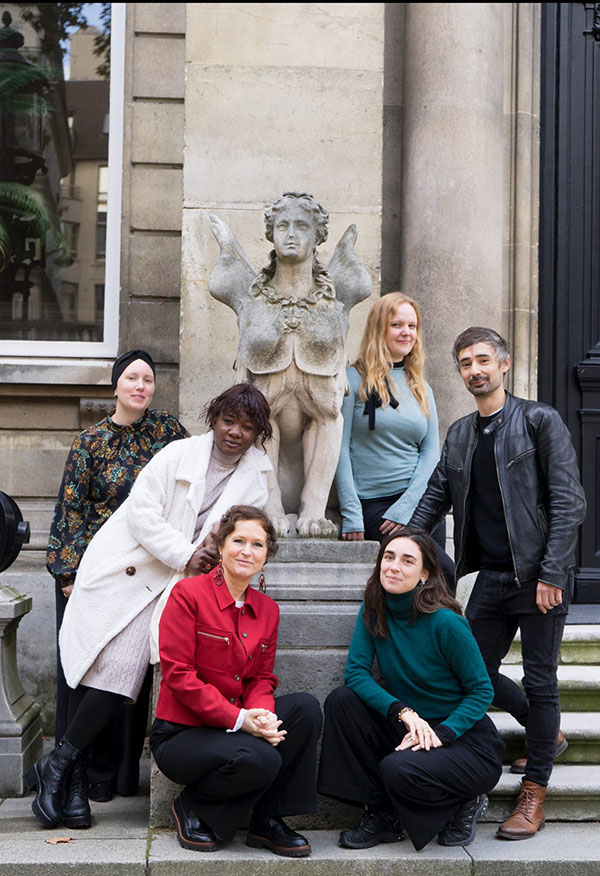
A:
(76, 807)
(49, 777)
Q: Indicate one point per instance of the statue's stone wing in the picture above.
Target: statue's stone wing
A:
(350, 277)
(233, 273)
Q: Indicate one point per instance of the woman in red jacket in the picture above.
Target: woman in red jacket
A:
(218, 729)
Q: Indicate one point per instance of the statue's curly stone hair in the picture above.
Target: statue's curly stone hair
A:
(319, 214)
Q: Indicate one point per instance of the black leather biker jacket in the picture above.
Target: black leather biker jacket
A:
(544, 502)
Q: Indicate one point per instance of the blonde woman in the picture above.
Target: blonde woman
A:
(390, 443)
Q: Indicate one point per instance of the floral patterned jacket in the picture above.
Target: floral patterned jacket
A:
(100, 470)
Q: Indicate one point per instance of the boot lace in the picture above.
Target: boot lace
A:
(526, 804)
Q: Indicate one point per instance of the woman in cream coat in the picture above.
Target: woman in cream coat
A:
(161, 531)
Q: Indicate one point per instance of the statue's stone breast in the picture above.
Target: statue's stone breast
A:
(273, 334)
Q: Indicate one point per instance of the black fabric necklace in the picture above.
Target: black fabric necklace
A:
(374, 400)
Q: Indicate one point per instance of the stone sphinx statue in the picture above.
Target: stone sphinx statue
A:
(293, 322)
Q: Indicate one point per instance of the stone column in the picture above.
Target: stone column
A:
(453, 179)
(278, 97)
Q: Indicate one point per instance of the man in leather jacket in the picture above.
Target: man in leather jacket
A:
(510, 475)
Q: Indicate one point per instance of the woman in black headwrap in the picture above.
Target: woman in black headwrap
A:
(100, 470)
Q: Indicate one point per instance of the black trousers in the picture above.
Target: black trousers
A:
(374, 515)
(114, 755)
(228, 774)
(496, 609)
(424, 788)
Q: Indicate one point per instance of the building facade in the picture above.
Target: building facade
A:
(417, 122)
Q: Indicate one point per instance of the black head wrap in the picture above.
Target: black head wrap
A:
(125, 359)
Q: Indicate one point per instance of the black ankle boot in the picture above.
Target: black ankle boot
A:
(49, 776)
(76, 807)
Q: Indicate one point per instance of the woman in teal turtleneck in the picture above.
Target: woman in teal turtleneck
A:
(390, 441)
(416, 748)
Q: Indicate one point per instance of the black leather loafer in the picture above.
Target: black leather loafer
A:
(192, 832)
(274, 834)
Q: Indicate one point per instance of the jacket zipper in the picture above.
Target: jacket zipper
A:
(512, 553)
(464, 532)
(213, 636)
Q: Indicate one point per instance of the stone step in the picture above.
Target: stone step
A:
(580, 644)
(573, 794)
(582, 730)
(560, 850)
(317, 582)
(318, 625)
(325, 550)
(579, 686)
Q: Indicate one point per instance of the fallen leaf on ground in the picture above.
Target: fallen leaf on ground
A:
(59, 839)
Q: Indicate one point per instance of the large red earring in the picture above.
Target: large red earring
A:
(219, 574)
(261, 581)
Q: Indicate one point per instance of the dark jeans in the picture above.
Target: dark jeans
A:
(374, 515)
(498, 607)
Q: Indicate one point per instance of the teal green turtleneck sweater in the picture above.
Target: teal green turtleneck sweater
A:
(432, 665)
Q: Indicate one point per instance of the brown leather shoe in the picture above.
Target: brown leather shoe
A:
(528, 816)
(518, 766)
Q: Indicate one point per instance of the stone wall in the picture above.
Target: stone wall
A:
(273, 103)
(423, 133)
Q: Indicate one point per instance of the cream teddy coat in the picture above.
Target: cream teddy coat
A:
(147, 543)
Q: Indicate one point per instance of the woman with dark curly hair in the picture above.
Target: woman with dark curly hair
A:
(420, 752)
(159, 534)
(218, 730)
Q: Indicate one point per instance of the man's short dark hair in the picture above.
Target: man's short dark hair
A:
(477, 334)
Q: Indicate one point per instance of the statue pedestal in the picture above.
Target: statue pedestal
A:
(20, 721)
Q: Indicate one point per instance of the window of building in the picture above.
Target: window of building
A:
(70, 231)
(60, 297)
(101, 212)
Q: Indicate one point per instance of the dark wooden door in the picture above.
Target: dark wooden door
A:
(569, 298)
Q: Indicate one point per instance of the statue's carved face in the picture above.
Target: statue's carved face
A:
(294, 233)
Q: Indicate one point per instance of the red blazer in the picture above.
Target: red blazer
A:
(215, 658)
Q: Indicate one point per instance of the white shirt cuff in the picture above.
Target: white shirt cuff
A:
(239, 722)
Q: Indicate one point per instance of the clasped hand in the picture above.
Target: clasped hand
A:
(204, 557)
(264, 724)
(420, 735)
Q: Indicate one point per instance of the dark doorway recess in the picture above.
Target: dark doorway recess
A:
(569, 298)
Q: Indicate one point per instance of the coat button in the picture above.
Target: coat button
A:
(244, 635)
(236, 678)
(232, 699)
(243, 611)
(130, 570)
(249, 656)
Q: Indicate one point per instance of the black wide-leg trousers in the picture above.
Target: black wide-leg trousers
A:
(228, 774)
(424, 788)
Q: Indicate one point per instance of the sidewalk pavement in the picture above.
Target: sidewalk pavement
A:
(120, 844)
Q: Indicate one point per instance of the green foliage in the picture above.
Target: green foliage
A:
(102, 42)
(24, 213)
(20, 85)
(53, 21)
(56, 21)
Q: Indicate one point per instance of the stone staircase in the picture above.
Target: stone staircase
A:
(319, 586)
